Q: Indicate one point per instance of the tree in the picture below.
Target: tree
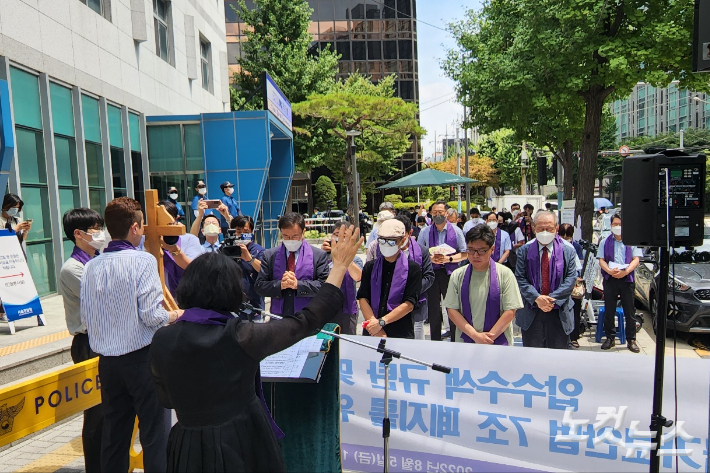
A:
(590, 49)
(479, 167)
(386, 122)
(325, 191)
(278, 42)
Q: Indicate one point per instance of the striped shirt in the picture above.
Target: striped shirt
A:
(121, 302)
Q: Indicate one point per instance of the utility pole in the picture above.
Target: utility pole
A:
(681, 139)
(465, 144)
(524, 169)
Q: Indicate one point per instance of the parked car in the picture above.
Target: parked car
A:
(689, 287)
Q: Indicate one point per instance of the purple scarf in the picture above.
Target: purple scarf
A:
(450, 240)
(118, 245)
(80, 255)
(497, 250)
(173, 271)
(210, 317)
(399, 282)
(609, 256)
(492, 304)
(304, 271)
(557, 264)
(348, 288)
(415, 254)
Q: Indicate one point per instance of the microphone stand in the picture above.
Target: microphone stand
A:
(387, 356)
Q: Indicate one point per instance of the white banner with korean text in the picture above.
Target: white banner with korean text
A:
(504, 409)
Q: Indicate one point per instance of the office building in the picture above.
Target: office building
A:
(373, 37)
(651, 111)
(77, 79)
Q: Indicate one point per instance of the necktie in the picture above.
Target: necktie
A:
(545, 272)
(291, 262)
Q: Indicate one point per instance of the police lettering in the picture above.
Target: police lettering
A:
(57, 397)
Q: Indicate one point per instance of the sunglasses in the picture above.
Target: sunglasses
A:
(387, 241)
(201, 187)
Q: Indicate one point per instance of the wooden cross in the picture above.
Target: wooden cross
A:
(160, 223)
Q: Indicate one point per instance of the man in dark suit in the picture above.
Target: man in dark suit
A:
(546, 271)
(293, 272)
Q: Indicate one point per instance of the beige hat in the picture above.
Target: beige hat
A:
(384, 215)
(391, 229)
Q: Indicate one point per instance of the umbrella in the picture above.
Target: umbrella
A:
(428, 177)
(600, 202)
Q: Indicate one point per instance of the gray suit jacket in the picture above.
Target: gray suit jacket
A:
(267, 286)
(525, 316)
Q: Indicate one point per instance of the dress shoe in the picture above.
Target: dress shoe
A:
(632, 346)
(446, 334)
(608, 343)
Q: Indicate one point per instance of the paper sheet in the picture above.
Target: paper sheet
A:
(289, 363)
(443, 249)
(613, 265)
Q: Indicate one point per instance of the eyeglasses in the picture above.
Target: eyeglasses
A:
(200, 187)
(473, 251)
(387, 241)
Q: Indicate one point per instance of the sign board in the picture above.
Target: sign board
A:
(276, 102)
(701, 37)
(624, 150)
(17, 289)
(496, 413)
(567, 216)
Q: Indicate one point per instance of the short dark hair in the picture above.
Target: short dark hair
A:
(474, 210)
(514, 205)
(482, 233)
(223, 293)
(290, 219)
(406, 221)
(121, 214)
(439, 202)
(170, 207)
(421, 219)
(241, 222)
(11, 200)
(528, 206)
(205, 217)
(566, 230)
(491, 213)
(614, 217)
(80, 219)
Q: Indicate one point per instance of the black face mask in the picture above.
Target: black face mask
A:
(439, 219)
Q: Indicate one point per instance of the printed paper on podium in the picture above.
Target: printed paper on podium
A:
(289, 363)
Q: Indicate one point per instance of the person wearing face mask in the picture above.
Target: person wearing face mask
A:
(391, 286)
(473, 221)
(211, 231)
(252, 256)
(525, 222)
(386, 212)
(178, 252)
(347, 316)
(293, 272)
(230, 202)
(173, 198)
(84, 227)
(437, 234)
(502, 245)
(452, 216)
(200, 194)
(618, 262)
(9, 220)
(546, 271)
(483, 296)
(421, 225)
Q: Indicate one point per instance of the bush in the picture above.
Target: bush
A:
(409, 199)
(394, 198)
(324, 191)
(552, 196)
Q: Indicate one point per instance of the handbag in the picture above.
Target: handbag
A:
(579, 290)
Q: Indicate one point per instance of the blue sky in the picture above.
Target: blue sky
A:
(438, 115)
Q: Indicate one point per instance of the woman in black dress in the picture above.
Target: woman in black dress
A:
(205, 365)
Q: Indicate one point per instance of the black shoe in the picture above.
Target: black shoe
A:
(608, 343)
(632, 346)
(446, 334)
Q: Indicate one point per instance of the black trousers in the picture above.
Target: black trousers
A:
(126, 392)
(435, 294)
(93, 417)
(574, 336)
(347, 322)
(619, 289)
(546, 331)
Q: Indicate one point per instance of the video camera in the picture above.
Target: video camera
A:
(232, 244)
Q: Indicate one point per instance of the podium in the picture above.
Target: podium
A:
(307, 409)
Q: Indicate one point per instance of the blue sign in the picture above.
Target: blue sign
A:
(276, 102)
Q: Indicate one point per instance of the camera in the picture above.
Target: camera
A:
(232, 244)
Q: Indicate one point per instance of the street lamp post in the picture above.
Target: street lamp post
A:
(354, 194)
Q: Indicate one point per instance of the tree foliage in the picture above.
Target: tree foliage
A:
(386, 124)
(479, 167)
(324, 191)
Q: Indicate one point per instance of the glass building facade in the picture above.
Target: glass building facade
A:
(374, 37)
(651, 111)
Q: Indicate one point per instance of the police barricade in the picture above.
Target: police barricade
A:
(517, 409)
(30, 406)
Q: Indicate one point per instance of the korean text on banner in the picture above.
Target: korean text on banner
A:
(517, 409)
(17, 289)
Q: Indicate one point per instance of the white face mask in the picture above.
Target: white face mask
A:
(202, 191)
(422, 226)
(493, 225)
(12, 211)
(98, 240)
(388, 250)
(229, 191)
(211, 230)
(515, 213)
(545, 238)
(616, 230)
(475, 221)
(293, 245)
(173, 196)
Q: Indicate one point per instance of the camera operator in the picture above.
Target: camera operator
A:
(252, 254)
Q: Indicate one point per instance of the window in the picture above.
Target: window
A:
(102, 7)
(234, 53)
(206, 62)
(94, 153)
(161, 20)
(118, 163)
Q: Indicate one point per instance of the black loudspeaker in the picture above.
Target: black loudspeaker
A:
(542, 170)
(656, 189)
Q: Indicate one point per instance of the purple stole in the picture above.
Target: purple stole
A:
(492, 304)
(399, 282)
(609, 256)
(172, 269)
(497, 249)
(557, 265)
(449, 240)
(118, 245)
(196, 315)
(304, 270)
(415, 254)
(80, 255)
(348, 289)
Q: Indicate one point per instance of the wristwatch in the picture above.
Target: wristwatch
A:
(451, 259)
(175, 253)
(382, 322)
